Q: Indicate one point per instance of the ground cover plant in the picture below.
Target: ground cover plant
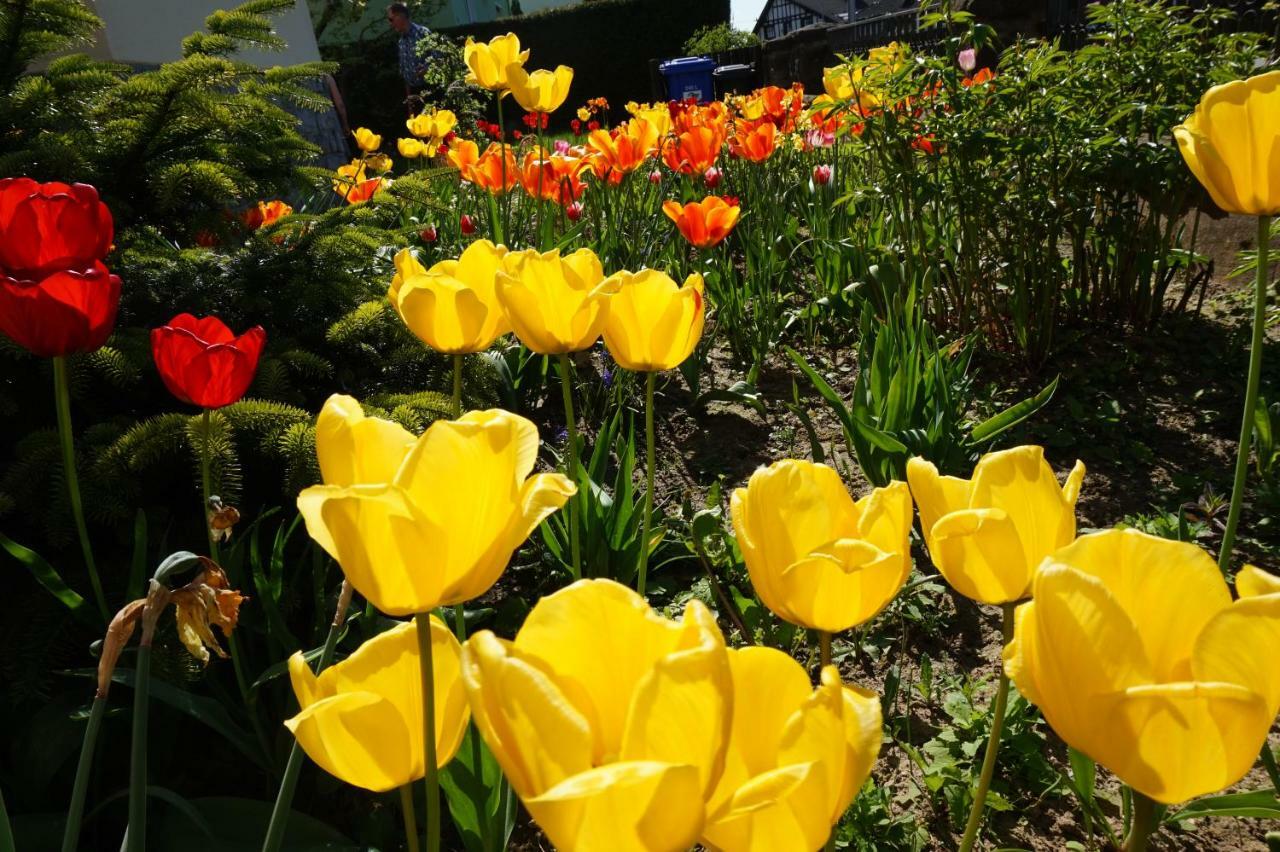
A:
(885, 467)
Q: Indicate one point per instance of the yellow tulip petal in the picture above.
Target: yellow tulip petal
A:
(537, 735)
(863, 732)
(1253, 581)
(842, 584)
(1241, 645)
(1076, 651)
(639, 806)
(379, 539)
(541, 495)
(1169, 590)
(357, 737)
(571, 631)
(682, 709)
(357, 450)
(305, 686)
(935, 495)
(1176, 741)
(1020, 482)
(980, 554)
(779, 809)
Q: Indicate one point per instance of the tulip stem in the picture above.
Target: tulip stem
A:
(502, 150)
(824, 648)
(289, 783)
(456, 409)
(410, 820)
(206, 484)
(137, 830)
(571, 423)
(422, 621)
(6, 831)
(62, 399)
(993, 742)
(1261, 279)
(71, 834)
(642, 573)
(1144, 812)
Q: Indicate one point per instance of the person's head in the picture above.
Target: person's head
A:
(398, 17)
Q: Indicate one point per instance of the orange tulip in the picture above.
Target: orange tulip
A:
(754, 142)
(463, 154)
(693, 151)
(557, 177)
(703, 223)
(265, 213)
(491, 173)
(622, 151)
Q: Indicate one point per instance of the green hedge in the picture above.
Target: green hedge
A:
(607, 43)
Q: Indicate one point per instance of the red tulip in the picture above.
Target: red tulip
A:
(66, 311)
(429, 234)
(822, 174)
(48, 227)
(573, 211)
(467, 225)
(202, 362)
(711, 177)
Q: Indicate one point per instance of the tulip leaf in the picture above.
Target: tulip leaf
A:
(479, 799)
(879, 438)
(1012, 415)
(138, 567)
(1258, 804)
(47, 576)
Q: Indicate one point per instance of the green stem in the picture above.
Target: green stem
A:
(642, 573)
(62, 398)
(71, 834)
(1269, 763)
(289, 783)
(137, 841)
(1144, 811)
(456, 408)
(410, 820)
(824, 648)
(422, 621)
(571, 510)
(506, 196)
(1250, 392)
(206, 488)
(6, 832)
(993, 743)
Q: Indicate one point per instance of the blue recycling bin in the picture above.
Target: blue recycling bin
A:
(689, 77)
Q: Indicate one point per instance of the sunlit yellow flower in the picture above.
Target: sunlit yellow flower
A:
(435, 125)
(541, 91)
(361, 719)
(797, 756)
(654, 323)
(433, 522)
(353, 183)
(1253, 581)
(487, 63)
(412, 148)
(817, 558)
(610, 721)
(555, 304)
(367, 140)
(378, 163)
(453, 306)
(1229, 143)
(584, 114)
(987, 534)
(1137, 656)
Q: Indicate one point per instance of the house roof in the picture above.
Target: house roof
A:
(834, 11)
(876, 8)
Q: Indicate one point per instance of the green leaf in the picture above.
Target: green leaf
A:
(48, 577)
(1012, 416)
(883, 440)
(239, 826)
(138, 567)
(479, 800)
(1083, 774)
(1259, 804)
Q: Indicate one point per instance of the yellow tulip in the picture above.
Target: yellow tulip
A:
(434, 125)
(367, 140)
(817, 558)
(654, 323)
(361, 719)
(412, 149)
(1253, 581)
(584, 114)
(1137, 656)
(988, 534)
(438, 527)
(453, 306)
(1229, 143)
(609, 720)
(797, 756)
(555, 304)
(487, 63)
(541, 91)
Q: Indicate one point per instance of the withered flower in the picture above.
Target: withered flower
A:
(222, 518)
(202, 603)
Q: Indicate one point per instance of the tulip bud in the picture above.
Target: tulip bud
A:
(467, 224)
(968, 60)
(574, 211)
(822, 174)
(711, 177)
(655, 176)
(562, 146)
(429, 234)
